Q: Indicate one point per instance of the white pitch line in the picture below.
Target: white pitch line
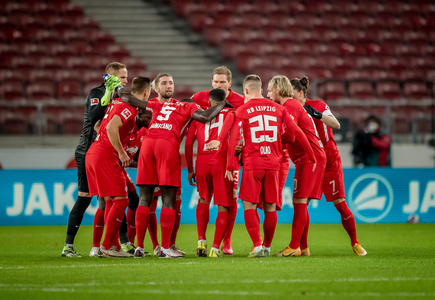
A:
(229, 293)
(214, 282)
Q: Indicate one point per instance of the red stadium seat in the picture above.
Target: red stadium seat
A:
(69, 90)
(388, 90)
(15, 124)
(415, 91)
(213, 35)
(72, 124)
(333, 19)
(183, 91)
(197, 20)
(230, 49)
(11, 92)
(361, 90)
(332, 90)
(37, 92)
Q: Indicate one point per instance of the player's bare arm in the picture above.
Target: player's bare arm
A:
(204, 116)
(97, 125)
(113, 134)
(192, 178)
(132, 100)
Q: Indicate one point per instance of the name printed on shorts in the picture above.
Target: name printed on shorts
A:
(161, 126)
(261, 108)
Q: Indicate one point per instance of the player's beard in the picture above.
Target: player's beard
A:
(168, 94)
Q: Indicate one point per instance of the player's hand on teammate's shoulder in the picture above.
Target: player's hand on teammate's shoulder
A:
(192, 178)
(213, 145)
(313, 112)
(314, 166)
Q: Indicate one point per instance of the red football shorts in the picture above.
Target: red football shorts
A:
(106, 177)
(308, 184)
(159, 163)
(211, 178)
(283, 172)
(158, 192)
(333, 182)
(259, 184)
(130, 184)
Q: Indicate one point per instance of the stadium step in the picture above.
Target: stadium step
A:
(149, 30)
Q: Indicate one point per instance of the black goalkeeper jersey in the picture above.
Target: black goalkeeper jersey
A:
(93, 112)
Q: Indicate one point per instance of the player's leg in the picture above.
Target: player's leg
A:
(167, 219)
(152, 226)
(177, 224)
(113, 223)
(221, 225)
(204, 183)
(79, 208)
(98, 229)
(232, 214)
(305, 251)
(270, 195)
(146, 194)
(250, 191)
(133, 202)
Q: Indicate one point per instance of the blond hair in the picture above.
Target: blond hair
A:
(222, 70)
(114, 67)
(282, 85)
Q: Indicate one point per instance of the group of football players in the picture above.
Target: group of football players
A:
(123, 129)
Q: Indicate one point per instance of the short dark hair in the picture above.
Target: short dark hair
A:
(252, 82)
(374, 119)
(300, 84)
(217, 95)
(140, 84)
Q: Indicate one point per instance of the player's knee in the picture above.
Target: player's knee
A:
(338, 201)
(133, 200)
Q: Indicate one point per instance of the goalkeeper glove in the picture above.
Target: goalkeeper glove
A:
(313, 112)
(112, 82)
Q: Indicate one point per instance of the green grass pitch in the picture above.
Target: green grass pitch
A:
(400, 265)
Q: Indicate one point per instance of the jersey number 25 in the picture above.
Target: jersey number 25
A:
(264, 126)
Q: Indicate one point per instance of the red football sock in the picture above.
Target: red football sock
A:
(131, 224)
(152, 223)
(253, 226)
(142, 217)
(304, 238)
(98, 228)
(114, 220)
(269, 226)
(176, 222)
(221, 226)
(258, 216)
(232, 214)
(202, 218)
(348, 221)
(107, 210)
(167, 219)
(299, 221)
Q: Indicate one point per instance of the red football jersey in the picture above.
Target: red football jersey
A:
(235, 99)
(306, 123)
(127, 113)
(325, 132)
(204, 133)
(170, 120)
(135, 141)
(261, 122)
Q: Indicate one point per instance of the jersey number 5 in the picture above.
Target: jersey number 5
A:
(165, 112)
(264, 126)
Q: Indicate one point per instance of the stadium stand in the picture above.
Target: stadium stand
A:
(51, 54)
(352, 50)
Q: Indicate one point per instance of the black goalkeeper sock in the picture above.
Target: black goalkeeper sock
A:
(76, 217)
(123, 235)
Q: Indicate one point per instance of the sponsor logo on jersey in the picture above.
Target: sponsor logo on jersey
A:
(371, 197)
(94, 101)
(126, 113)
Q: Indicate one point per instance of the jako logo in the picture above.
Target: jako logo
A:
(371, 197)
